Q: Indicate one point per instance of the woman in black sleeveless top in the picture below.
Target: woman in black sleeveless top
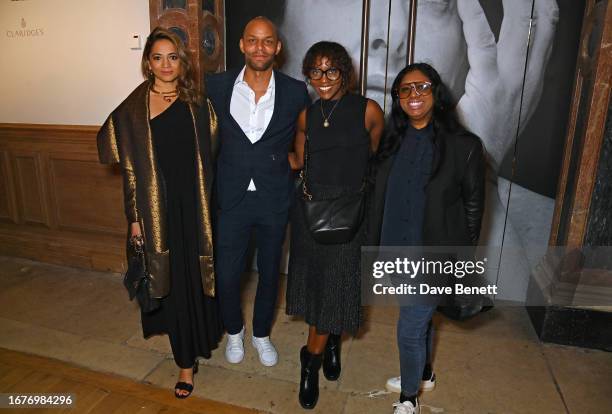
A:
(323, 283)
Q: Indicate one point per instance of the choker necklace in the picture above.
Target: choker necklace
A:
(166, 96)
(326, 118)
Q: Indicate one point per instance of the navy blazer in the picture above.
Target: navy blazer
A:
(266, 160)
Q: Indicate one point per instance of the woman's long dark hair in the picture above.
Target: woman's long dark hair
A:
(444, 114)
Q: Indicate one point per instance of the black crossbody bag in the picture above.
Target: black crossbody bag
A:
(335, 220)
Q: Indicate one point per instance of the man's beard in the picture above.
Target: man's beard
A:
(263, 66)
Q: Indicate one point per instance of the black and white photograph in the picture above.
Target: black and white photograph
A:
(286, 206)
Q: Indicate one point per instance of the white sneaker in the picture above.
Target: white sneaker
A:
(406, 408)
(234, 349)
(430, 384)
(395, 384)
(267, 353)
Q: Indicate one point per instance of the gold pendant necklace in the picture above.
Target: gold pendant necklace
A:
(326, 118)
(166, 96)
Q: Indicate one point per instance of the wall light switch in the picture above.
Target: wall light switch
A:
(135, 41)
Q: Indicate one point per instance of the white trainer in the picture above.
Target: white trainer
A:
(234, 349)
(429, 384)
(267, 353)
(395, 384)
(406, 408)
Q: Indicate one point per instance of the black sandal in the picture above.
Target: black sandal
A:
(185, 386)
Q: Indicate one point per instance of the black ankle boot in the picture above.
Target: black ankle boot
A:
(309, 383)
(331, 358)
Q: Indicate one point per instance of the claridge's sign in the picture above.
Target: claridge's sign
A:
(24, 31)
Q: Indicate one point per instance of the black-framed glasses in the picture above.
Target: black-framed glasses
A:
(420, 89)
(331, 73)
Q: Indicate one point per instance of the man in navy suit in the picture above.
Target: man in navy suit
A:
(257, 109)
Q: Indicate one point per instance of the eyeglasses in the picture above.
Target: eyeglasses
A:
(331, 73)
(419, 88)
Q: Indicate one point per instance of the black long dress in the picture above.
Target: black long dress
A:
(189, 317)
(323, 283)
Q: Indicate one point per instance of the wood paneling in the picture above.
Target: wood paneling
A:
(82, 190)
(4, 201)
(32, 206)
(8, 210)
(586, 128)
(58, 203)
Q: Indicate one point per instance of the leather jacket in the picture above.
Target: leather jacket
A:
(455, 194)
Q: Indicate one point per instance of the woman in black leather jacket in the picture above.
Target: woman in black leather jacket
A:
(429, 191)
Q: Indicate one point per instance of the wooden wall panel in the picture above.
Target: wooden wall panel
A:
(585, 137)
(87, 195)
(57, 203)
(32, 206)
(8, 198)
(5, 204)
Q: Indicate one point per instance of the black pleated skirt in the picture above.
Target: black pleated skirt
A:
(323, 283)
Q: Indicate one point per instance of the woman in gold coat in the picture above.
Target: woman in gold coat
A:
(163, 137)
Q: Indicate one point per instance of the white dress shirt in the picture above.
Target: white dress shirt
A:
(252, 117)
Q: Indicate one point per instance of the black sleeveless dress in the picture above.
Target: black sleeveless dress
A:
(323, 283)
(189, 317)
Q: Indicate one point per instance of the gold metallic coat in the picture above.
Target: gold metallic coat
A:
(125, 138)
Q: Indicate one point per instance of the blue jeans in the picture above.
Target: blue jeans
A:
(414, 339)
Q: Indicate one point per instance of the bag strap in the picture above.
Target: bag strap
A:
(368, 178)
(304, 171)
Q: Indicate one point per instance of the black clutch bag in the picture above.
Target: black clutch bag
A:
(137, 280)
(332, 221)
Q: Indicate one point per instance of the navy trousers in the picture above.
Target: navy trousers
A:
(233, 233)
